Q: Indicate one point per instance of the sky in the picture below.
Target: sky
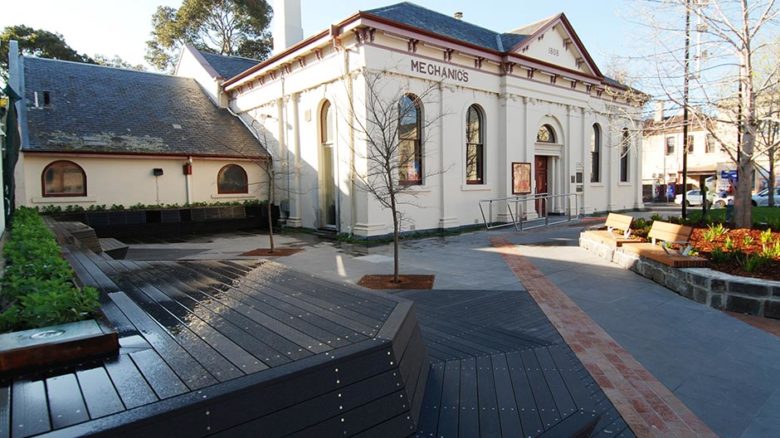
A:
(121, 27)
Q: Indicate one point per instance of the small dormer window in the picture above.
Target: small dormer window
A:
(46, 98)
(42, 99)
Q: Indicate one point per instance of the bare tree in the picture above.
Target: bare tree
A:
(768, 104)
(723, 86)
(393, 127)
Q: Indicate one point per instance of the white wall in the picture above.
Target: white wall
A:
(128, 181)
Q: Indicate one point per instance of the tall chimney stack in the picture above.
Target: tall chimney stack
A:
(659, 111)
(287, 28)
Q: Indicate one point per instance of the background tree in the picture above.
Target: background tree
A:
(388, 121)
(768, 104)
(36, 42)
(117, 62)
(725, 36)
(227, 27)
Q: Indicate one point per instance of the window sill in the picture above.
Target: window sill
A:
(62, 199)
(413, 189)
(597, 185)
(475, 188)
(233, 196)
(624, 184)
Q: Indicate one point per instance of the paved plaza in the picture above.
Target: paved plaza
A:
(724, 370)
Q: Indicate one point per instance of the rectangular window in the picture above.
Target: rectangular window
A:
(670, 145)
(709, 145)
(690, 144)
(474, 165)
(624, 156)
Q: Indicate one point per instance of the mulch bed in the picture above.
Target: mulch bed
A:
(406, 282)
(769, 271)
(266, 252)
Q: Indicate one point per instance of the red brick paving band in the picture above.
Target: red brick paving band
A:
(646, 405)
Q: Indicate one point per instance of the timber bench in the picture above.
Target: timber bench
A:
(74, 233)
(664, 237)
(617, 232)
(114, 248)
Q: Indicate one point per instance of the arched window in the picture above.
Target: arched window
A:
(64, 178)
(326, 124)
(475, 153)
(546, 134)
(410, 140)
(625, 143)
(232, 179)
(595, 154)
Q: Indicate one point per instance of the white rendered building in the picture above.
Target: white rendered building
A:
(535, 95)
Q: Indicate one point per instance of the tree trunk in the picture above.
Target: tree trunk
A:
(396, 232)
(770, 184)
(743, 217)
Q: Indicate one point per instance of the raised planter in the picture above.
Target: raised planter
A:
(55, 345)
(706, 286)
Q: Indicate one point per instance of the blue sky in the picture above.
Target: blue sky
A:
(121, 27)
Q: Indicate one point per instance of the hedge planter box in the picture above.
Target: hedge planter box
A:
(174, 221)
(55, 345)
(716, 289)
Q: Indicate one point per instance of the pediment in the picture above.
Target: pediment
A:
(554, 42)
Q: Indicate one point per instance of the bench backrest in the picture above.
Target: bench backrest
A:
(620, 222)
(670, 233)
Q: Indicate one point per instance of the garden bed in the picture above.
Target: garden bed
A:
(41, 308)
(742, 252)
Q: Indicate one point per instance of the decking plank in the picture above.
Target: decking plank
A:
(188, 369)
(560, 392)
(526, 405)
(29, 411)
(291, 328)
(162, 379)
(216, 364)
(211, 298)
(133, 389)
(66, 404)
(507, 405)
(225, 324)
(548, 411)
(5, 410)
(429, 417)
(574, 383)
(469, 398)
(450, 400)
(99, 392)
(489, 423)
(242, 360)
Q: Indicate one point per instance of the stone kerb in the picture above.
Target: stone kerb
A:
(703, 285)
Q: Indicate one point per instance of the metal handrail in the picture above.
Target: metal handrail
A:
(517, 215)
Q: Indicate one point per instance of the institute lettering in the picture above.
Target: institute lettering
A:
(440, 71)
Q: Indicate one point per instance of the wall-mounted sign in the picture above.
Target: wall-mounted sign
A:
(521, 178)
(440, 71)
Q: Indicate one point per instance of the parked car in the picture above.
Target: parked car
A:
(721, 200)
(761, 199)
(693, 197)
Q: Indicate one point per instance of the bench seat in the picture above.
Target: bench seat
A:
(657, 253)
(610, 238)
(114, 248)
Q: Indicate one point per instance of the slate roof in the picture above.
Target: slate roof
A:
(432, 21)
(108, 110)
(228, 66)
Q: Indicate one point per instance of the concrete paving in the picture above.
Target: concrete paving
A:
(726, 371)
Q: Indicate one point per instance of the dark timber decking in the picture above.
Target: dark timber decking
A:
(500, 369)
(232, 348)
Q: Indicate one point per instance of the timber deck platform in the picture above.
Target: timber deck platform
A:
(230, 348)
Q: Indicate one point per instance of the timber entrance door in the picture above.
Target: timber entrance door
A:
(540, 178)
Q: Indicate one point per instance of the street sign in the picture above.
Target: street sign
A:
(728, 174)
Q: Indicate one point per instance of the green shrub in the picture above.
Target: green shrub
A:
(728, 244)
(766, 236)
(718, 256)
(37, 286)
(771, 251)
(713, 232)
(747, 240)
(753, 262)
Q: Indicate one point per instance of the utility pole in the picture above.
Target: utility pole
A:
(685, 109)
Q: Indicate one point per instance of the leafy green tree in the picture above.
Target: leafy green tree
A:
(37, 42)
(117, 62)
(228, 27)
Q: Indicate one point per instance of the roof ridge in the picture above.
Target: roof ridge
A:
(228, 56)
(86, 64)
(435, 12)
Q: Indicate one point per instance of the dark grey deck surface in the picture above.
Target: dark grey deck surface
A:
(499, 368)
(196, 330)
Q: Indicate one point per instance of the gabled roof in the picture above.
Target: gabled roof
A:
(228, 66)
(96, 109)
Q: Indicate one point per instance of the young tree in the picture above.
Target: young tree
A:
(37, 42)
(117, 62)
(227, 27)
(392, 127)
(724, 89)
